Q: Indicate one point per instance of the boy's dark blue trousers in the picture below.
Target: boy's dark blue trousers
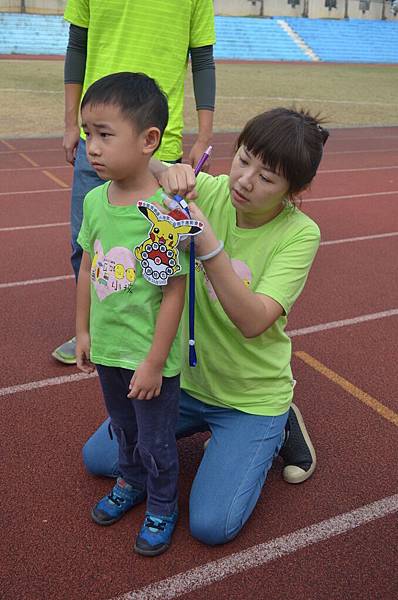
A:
(145, 430)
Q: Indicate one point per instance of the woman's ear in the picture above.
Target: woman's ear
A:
(151, 139)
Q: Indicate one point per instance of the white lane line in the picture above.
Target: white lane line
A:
(343, 322)
(352, 170)
(26, 192)
(217, 570)
(44, 225)
(357, 239)
(60, 277)
(351, 196)
(11, 284)
(35, 385)
(355, 170)
(293, 333)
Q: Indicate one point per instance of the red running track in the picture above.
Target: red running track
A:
(344, 330)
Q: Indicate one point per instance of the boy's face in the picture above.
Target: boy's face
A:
(114, 148)
(255, 190)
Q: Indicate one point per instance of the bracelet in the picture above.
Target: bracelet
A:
(213, 253)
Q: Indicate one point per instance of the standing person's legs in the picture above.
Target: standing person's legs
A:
(156, 446)
(130, 487)
(232, 472)
(84, 180)
(101, 451)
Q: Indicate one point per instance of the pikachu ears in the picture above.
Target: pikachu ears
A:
(155, 216)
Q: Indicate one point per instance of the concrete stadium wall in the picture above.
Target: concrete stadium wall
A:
(314, 9)
(38, 7)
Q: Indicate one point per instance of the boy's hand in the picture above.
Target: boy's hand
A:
(146, 382)
(83, 353)
(179, 179)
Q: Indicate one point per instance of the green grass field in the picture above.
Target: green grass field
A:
(31, 94)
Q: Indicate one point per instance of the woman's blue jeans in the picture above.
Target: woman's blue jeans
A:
(231, 474)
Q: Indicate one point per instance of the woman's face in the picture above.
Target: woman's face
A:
(257, 193)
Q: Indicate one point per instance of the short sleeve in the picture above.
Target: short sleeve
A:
(285, 276)
(202, 31)
(77, 12)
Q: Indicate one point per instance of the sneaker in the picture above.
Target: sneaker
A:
(112, 507)
(66, 353)
(297, 450)
(155, 534)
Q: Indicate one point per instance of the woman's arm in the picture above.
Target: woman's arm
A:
(250, 312)
(147, 379)
(74, 71)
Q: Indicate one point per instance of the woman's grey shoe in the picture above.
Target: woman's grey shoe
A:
(297, 450)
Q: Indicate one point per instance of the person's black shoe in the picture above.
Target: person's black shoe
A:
(297, 451)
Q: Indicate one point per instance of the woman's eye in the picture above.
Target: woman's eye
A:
(104, 135)
(243, 161)
(265, 179)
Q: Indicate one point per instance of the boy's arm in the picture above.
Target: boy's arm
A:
(83, 316)
(147, 379)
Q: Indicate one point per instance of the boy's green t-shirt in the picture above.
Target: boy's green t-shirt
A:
(124, 305)
(252, 375)
(150, 37)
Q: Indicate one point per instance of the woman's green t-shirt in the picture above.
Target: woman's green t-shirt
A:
(252, 375)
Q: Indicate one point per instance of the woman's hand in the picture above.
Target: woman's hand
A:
(146, 382)
(83, 344)
(179, 179)
(206, 241)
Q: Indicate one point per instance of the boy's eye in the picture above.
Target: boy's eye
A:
(104, 134)
(243, 160)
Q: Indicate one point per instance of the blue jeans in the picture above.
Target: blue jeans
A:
(145, 431)
(84, 180)
(231, 474)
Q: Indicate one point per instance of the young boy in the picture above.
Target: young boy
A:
(126, 326)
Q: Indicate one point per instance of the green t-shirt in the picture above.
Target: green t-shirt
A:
(124, 305)
(252, 375)
(151, 37)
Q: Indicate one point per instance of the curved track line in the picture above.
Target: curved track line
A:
(215, 571)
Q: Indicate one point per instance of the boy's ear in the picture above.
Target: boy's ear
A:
(151, 138)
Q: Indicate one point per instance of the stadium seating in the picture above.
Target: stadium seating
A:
(283, 38)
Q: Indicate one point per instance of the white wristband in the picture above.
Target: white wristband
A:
(213, 253)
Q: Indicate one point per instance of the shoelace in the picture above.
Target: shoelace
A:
(159, 525)
(115, 499)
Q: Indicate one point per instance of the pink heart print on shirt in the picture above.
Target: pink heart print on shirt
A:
(112, 272)
(240, 268)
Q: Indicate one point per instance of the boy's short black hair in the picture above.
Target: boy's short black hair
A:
(138, 96)
(289, 142)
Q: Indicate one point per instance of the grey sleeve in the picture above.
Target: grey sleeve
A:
(204, 77)
(76, 53)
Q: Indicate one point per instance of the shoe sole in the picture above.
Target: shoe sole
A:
(104, 523)
(63, 359)
(151, 552)
(291, 473)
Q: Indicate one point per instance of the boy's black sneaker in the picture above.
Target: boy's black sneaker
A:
(297, 451)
